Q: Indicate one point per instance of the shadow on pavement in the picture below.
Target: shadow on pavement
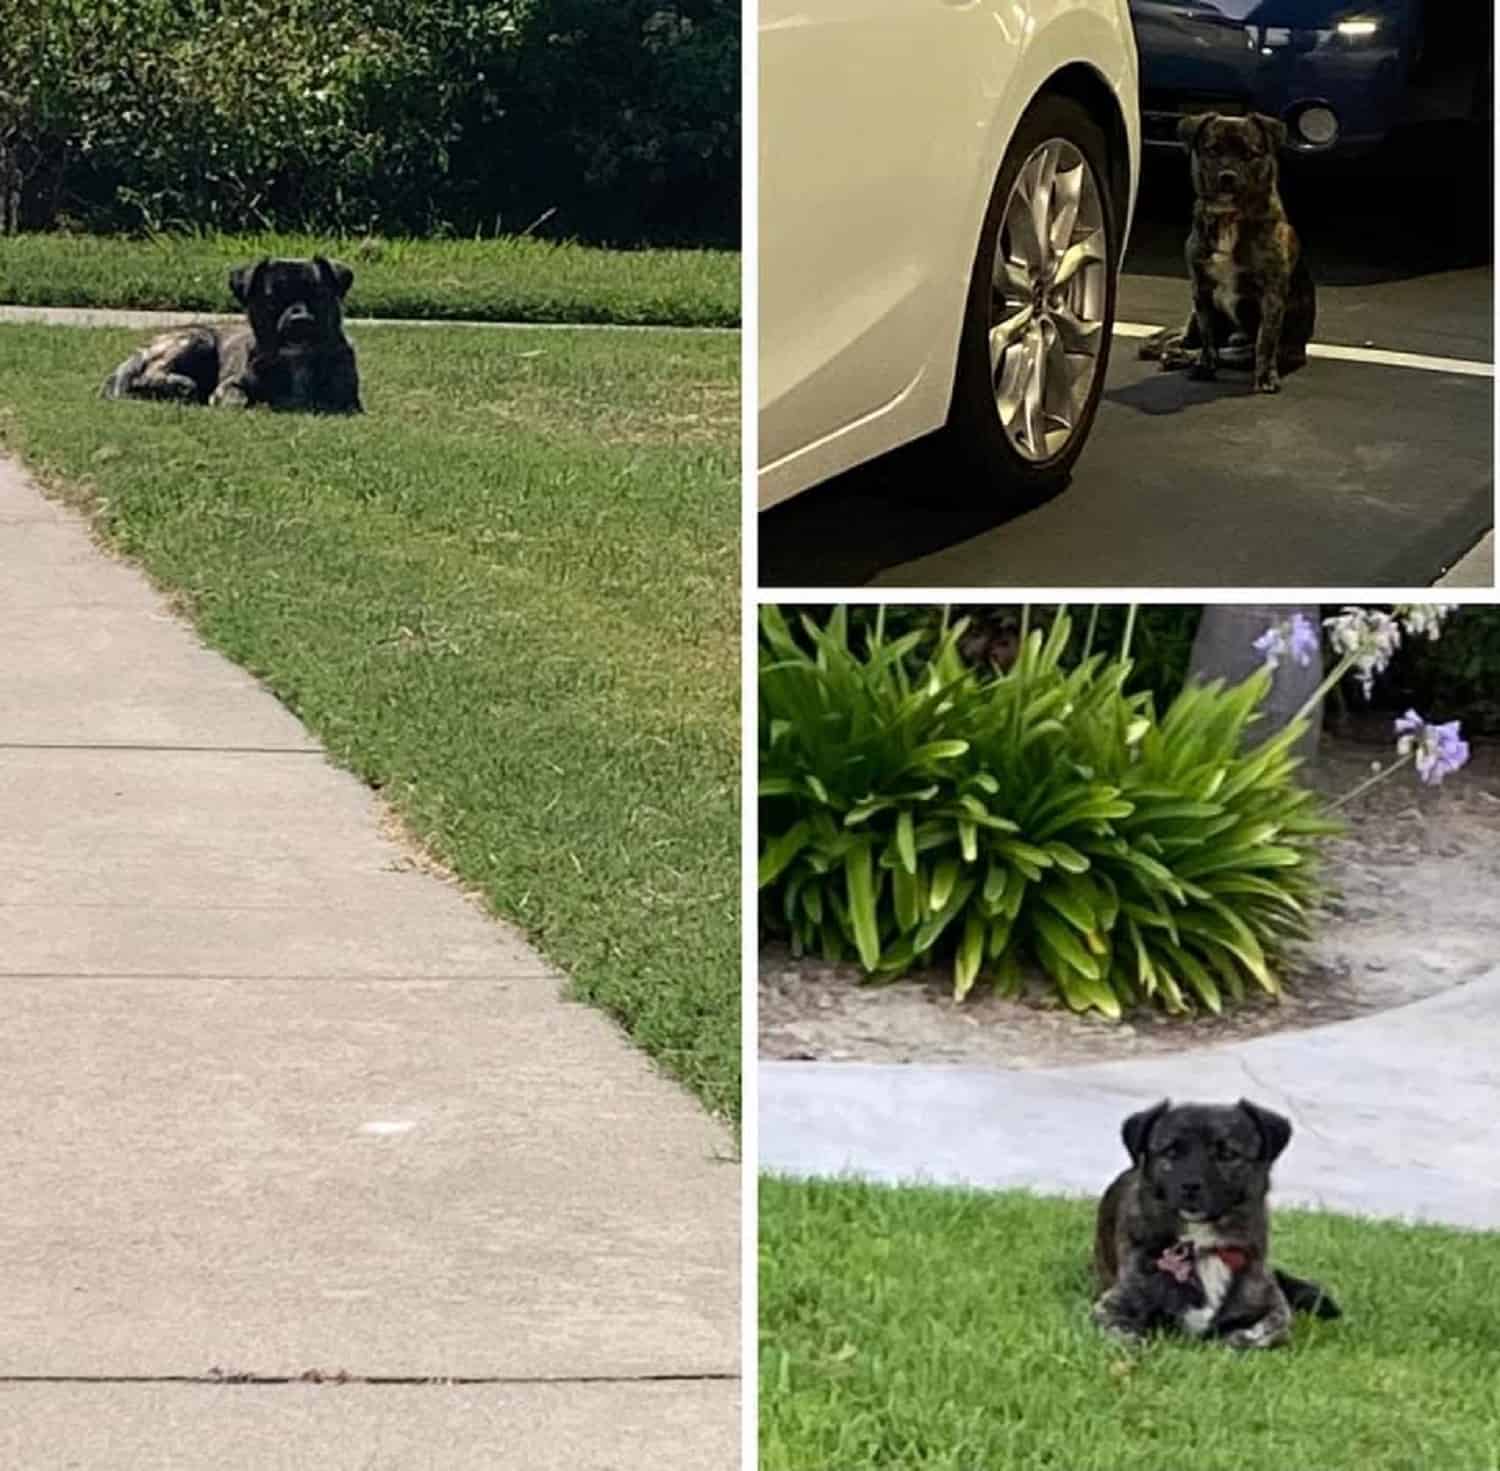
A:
(1173, 392)
(845, 531)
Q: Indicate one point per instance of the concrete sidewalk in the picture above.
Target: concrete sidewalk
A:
(1394, 1113)
(1476, 568)
(277, 1104)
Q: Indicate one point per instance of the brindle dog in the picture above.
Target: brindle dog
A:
(291, 354)
(1183, 1237)
(1250, 281)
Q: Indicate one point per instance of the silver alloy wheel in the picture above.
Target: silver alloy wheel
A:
(1048, 300)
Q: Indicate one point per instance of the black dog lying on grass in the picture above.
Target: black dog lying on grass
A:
(292, 353)
(1183, 1234)
(1253, 294)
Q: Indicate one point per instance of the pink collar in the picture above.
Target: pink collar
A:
(1179, 1260)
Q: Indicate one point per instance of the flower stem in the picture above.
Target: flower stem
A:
(1329, 681)
(1088, 638)
(1371, 781)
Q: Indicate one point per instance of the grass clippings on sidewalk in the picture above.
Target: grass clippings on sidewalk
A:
(930, 1328)
(509, 279)
(507, 596)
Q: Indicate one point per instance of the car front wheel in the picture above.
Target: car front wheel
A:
(1041, 307)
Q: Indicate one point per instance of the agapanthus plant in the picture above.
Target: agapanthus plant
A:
(1366, 639)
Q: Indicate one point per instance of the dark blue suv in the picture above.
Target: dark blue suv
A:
(1342, 74)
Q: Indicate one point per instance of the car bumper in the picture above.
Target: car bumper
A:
(1190, 63)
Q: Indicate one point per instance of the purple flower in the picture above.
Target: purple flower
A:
(1297, 638)
(1440, 749)
(1272, 645)
(1304, 641)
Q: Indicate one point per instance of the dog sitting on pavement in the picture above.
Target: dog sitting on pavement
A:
(1183, 1234)
(291, 353)
(1253, 295)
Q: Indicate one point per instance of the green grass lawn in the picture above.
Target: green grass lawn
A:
(508, 279)
(926, 1328)
(507, 595)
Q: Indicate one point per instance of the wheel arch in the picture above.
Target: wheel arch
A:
(1085, 86)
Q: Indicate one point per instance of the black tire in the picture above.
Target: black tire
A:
(979, 449)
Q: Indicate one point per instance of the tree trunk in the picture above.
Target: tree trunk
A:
(1224, 649)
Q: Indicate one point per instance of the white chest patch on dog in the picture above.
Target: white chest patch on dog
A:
(1221, 269)
(1214, 1277)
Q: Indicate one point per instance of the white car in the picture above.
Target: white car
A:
(945, 191)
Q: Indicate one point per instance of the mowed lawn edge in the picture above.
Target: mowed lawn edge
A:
(927, 1327)
(506, 279)
(506, 597)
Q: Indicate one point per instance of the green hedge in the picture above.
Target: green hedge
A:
(612, 122)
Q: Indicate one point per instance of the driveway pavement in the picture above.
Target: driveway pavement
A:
(1373, 467)
(1394, 1113)
(280, 1106)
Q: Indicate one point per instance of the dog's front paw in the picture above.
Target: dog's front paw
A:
(1205, 370)
(1268, 382)
(1258, 1335)
(229, 395)
(1106, 1316)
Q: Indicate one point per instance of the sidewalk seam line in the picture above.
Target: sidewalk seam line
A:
(335, 1381)
(143, 746)
(299, 977)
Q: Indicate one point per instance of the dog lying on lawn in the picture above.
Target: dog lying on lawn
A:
(1253, 295)
(1183, 1234)
(291, 353)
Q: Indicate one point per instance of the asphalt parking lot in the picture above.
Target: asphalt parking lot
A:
(1373, 467)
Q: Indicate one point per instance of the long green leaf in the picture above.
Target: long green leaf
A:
(970, 953)
(1065, 943)
(859, 874)
(780, 851)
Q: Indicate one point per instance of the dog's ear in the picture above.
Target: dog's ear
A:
(1136, 1130)
(244, 279)
(1190, 127)
(335, 273)
(1275, 1131)
(1273, 128)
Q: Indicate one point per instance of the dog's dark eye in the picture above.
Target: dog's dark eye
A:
(1223, 1152)
(1172, 1151)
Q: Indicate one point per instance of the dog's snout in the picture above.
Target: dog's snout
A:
(297, 312)
(1226, 180)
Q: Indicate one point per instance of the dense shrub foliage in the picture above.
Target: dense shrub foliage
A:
(911, 806)
(1459, 673)
(616, 122)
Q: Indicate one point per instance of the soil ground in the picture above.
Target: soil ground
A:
(1416, 910)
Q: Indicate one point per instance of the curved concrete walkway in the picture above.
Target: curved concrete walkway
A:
(1395, 1114)
(281, 1109)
